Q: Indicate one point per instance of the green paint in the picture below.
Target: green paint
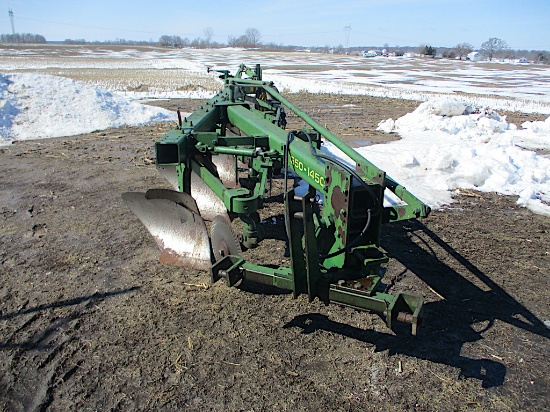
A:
(326, 251)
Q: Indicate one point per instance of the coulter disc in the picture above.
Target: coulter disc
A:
(224, 240)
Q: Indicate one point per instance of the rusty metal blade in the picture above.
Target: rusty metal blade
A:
(227, 170)
(170, 174)
(181, 198)
(180, 233)
(208, 203)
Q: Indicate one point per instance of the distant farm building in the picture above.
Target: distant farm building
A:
(474, 56)
(370, 53)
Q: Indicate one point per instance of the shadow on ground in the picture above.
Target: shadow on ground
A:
(449, 322)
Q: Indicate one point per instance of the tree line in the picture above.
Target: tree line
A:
(494, 48)
(491, 49)
(250, 39)
(22, 38)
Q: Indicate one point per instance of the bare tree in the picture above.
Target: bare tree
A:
(177, 42)
(493, 46)
(208, 35)
(253, 35)
(198, 43)
(172, 41)
(462, 49)
(165, 41)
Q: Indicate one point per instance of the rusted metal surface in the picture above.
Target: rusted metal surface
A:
(179, 233)
(360, 284)
(339, 202)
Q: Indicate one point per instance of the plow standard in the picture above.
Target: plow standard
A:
(220, 161)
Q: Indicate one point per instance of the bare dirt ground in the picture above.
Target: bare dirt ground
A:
(89, 320)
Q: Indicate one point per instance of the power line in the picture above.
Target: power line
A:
(300, 33)
(10, 13)
(154, 32)
(347, 30)
(384, 37)
(93, 27)
(280, 34)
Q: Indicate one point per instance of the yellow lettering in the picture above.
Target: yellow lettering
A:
(311, 173)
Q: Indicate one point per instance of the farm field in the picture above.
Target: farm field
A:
(90, 320)
(142, 72)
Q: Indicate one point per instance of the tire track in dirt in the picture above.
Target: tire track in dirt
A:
(47, 354)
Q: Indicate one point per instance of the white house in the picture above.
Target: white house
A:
(370, 53)
(474, 56)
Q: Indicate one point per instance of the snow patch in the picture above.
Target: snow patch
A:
(447, 145)
(42, 106)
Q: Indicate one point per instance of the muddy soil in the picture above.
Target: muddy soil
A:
(89, 320)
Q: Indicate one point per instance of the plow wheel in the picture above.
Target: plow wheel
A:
(224, 240)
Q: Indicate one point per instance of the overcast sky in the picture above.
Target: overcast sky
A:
(522, 24)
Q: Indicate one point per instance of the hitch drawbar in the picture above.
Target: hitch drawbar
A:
(401, 307)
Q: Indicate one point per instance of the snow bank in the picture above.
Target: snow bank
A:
(447, 145)
(40, 106)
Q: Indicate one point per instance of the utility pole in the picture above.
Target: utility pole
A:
(347, 29)
(10, 13)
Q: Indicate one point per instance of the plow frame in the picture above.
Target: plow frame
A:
(332, 259)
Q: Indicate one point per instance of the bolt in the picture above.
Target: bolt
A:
(404, 317)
